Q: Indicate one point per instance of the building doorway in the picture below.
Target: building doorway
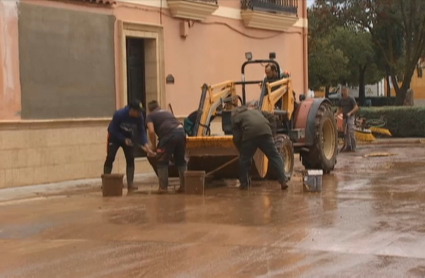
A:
(136, 81)
(153, 79)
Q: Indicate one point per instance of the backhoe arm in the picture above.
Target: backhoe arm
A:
(284, 92)
(212, 97)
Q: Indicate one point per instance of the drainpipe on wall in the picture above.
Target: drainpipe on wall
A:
(305, 59)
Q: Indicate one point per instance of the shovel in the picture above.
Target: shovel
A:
(222, 166)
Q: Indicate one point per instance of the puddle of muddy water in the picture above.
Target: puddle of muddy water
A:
(404, 165)
(23, 230)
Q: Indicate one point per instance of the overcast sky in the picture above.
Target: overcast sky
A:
(310, 2)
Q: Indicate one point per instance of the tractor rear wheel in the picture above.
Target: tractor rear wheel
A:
(286, 151)
(322, 154)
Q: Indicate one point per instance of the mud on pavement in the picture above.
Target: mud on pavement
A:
(367, 222)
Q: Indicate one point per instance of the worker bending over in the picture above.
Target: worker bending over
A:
(253, 129)
(121, 133)
(172, 142)
(348, 107)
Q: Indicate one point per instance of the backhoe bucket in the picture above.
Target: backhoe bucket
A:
(210, 152)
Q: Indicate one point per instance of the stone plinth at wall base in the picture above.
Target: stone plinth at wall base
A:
(194, 10)
(268, 21)
(38, 152)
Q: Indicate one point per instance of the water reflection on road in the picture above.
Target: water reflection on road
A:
(367, 221)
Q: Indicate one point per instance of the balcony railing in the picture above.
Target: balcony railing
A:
(274, 6)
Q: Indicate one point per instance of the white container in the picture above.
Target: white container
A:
(312, 180)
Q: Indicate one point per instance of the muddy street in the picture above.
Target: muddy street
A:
(367, 222)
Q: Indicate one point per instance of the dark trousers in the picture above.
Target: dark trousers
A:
(172, 145)
(247, 150)
(112, 149)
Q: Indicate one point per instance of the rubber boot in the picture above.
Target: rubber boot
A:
(130, 179)
(107, 170)
(284, 184)
(246, 187)
(163, 179)
(182, 181)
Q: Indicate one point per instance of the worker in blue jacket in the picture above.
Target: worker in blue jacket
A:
(125, 124)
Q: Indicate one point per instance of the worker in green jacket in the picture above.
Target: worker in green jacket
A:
(253, 129)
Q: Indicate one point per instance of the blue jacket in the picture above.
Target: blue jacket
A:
(123, 126)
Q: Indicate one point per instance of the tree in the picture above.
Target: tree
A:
(391, 36)
(327, 65)
(358, 47)
(391, 23)
(338, 55)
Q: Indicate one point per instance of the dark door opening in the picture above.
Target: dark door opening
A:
(136, 88)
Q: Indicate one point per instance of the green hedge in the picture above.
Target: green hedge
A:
(374, 101)
(380, 101)
(402, 121)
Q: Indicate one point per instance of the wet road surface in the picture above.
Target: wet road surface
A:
(367, 222)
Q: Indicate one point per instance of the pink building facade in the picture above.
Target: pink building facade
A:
(65, 66)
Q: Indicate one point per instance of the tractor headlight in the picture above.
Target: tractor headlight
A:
(248, 56)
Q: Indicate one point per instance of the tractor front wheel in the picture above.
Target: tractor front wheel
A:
(322, 154)
(286, 151)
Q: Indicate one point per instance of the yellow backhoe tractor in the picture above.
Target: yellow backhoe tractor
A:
(308, 128)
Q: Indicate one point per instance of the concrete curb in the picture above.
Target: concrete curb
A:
(393, 141)
(36, 191)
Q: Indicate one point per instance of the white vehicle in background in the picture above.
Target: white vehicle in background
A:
(310, 94)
